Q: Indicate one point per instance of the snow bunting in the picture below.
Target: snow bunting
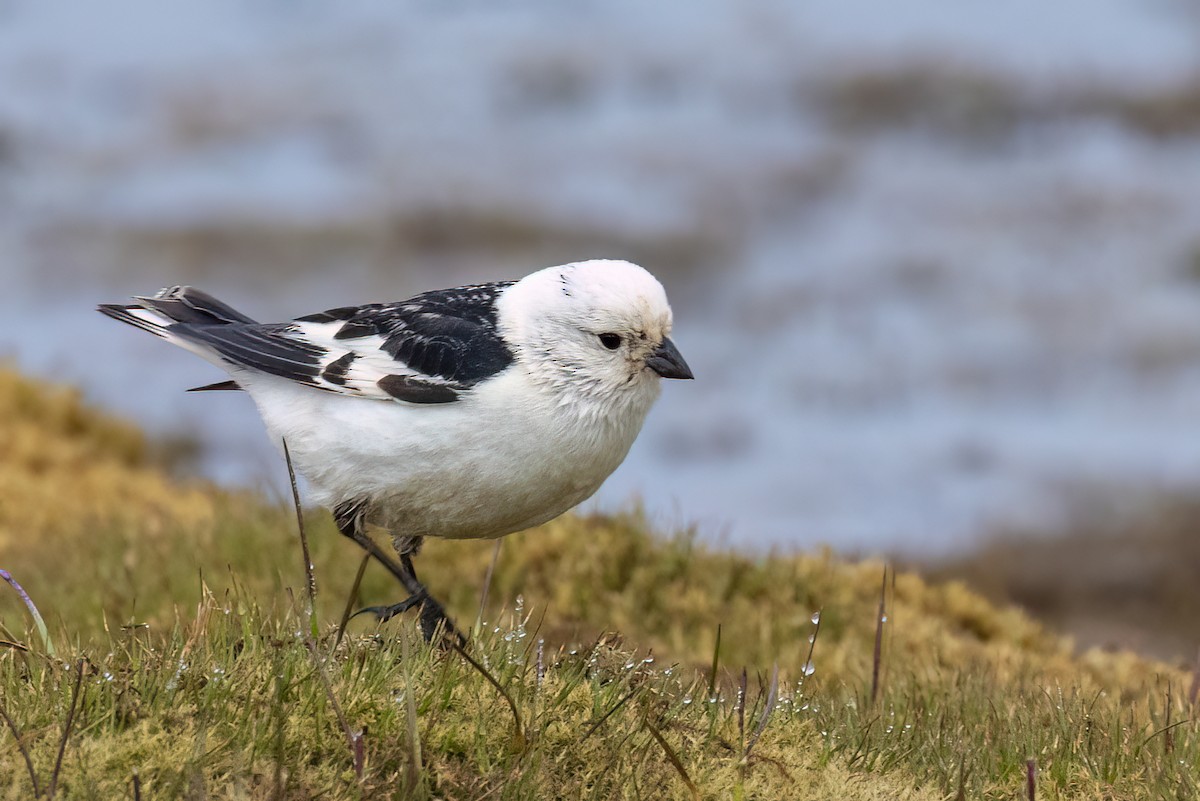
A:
(470, 412)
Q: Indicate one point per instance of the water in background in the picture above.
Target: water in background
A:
(934, 267)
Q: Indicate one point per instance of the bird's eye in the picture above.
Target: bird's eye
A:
(610, 341)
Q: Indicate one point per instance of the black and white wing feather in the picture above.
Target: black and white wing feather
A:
(428, 349)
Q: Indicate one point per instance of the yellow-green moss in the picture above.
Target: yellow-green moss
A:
(182, 601)
(65, 468)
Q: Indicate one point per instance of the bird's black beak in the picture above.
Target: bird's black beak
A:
(668, 362)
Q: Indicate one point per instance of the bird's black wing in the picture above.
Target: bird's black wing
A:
(428, 349)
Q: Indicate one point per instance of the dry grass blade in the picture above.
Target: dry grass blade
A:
(351, 737)
(595, 726)
(352, 597)
(66, 735)
(961, 795)
(772, 696)
(712, 675)
(277, 712)
(308, 566)
(519, 735)
(877, 655)
(673, 758)
(807, 668)
(33, 779)
(487, 584)
(33, 612)
(415, 766)
(360, 753)
(1168, 728)
(1167, 731)
(741, 708)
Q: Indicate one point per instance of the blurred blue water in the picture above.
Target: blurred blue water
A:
(916, 309)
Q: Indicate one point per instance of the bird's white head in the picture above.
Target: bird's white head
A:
(596, 331)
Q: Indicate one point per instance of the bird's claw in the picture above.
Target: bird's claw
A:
(432, 616)
(385, 613)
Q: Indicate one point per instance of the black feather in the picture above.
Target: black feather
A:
(269, 348)
(354, 330)
(413, 390)
(125, 315)
(330, 315)
(335, 371)
(185, 304)
(217, 387)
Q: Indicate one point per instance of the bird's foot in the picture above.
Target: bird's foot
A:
(432, 617)
(385, 613)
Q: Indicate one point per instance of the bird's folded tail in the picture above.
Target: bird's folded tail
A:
(177, 304)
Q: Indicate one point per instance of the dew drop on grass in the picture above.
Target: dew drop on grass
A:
(173, 682)
(816, 618)
(808, 669)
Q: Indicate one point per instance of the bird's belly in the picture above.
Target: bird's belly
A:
(457, 470)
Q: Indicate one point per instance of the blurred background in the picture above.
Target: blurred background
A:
(936, 266)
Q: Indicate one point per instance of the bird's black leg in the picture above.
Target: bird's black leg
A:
(349, 518)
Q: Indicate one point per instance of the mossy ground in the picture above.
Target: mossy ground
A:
(180, 612)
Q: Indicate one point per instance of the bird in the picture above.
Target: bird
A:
(471, 412)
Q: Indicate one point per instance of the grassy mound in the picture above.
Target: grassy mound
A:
(183, 662)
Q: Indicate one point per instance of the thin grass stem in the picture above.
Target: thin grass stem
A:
(673, 758)
(877, 655)
(351, 736)
(310, 579)
(768, 708)
(33, 779)
(712, 675)
(519, 736)
(43, 632)
(487, 585)
(66, 735)
(352, 597)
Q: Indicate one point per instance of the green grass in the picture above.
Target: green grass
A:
(185, 627)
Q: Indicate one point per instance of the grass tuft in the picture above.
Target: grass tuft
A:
(219, 688)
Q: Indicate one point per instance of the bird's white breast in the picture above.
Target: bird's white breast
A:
(505, 457)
